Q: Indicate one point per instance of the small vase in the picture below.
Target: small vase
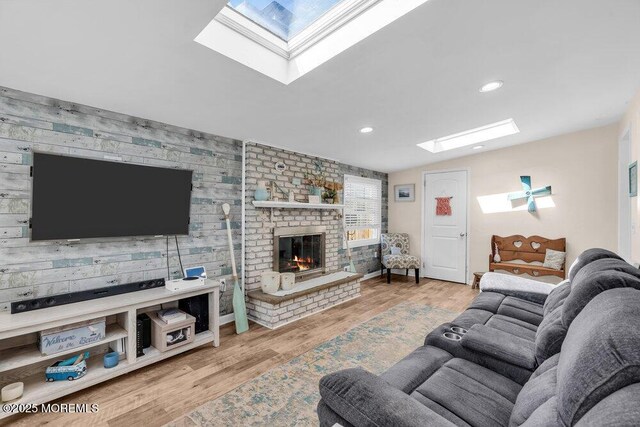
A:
(261, 194)
(287, 281)
(270, 282)
(315, 191)
(496, 256)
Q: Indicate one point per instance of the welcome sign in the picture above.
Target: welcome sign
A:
(68, 337)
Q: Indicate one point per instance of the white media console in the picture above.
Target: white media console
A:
(21, 360)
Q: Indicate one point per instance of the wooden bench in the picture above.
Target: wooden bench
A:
(527, 250)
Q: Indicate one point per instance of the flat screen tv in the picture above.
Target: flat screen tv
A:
(74, 198)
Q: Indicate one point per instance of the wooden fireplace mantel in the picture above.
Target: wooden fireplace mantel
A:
(295, 205)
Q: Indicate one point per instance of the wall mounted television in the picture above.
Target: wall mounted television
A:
(77, 198)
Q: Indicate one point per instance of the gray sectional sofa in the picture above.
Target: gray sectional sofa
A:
(565, 356)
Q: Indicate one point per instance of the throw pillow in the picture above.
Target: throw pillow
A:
(396, 250)
(554, 259)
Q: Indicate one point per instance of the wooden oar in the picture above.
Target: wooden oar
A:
(239, 308)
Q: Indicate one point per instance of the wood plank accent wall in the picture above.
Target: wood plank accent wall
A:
(35, 269)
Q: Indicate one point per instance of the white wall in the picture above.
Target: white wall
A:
(581, 167)
(631, 121)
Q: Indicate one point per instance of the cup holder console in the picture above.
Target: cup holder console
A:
(455, 333)
(451, 336)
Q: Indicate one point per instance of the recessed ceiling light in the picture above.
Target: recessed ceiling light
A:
(491, 86)
(366, 130)
(471, 137)
(478, 147)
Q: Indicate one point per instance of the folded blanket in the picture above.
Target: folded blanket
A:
(531, 290)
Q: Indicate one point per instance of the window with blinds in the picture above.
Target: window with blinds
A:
(362, 210)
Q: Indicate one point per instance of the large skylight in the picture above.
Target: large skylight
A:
(286, 39)
(284, 18)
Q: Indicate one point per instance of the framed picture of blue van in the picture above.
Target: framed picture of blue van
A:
(633, 179)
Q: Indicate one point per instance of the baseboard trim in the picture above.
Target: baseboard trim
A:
(227, 318)
(370, 275)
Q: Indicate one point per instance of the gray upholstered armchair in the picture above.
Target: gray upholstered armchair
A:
(395, 254)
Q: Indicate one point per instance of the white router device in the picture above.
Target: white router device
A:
(182, 284)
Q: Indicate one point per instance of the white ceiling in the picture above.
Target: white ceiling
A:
(567, 65)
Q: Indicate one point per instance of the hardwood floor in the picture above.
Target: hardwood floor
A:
(161, 393)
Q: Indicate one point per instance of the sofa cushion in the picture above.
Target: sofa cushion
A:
(471, 317)
(328, 417)
(470, 393)
(600, 353)
(535, 392)
(524, 310)
(363, 399)
(415, 368)
(606, 264)
(517, 373)
(544, 415)
(500, 345)
(592, 281)
(550, 363)
(556, 297)
(587, 257)
(550, 335)
(513, 326)
(621, 408)
(489, 301)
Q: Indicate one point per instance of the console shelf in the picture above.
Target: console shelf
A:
(29, 354)
(20, 328)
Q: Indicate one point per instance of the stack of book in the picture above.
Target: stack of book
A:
(172, 315)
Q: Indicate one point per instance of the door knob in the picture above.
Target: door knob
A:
(463, 234)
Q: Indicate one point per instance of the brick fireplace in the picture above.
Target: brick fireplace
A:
(275, 237)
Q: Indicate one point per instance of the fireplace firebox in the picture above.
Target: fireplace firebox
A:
(299, 250)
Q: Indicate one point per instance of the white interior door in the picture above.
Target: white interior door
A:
(446, 228)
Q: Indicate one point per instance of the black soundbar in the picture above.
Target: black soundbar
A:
(55, 300)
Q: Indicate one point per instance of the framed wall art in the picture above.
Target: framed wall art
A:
(405, 192)
(633, 179)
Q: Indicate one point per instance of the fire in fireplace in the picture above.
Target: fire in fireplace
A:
(300, 253)
(299, 250)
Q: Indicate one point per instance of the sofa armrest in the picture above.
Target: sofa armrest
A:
(519, 287)
(364, 399)
(500, 345)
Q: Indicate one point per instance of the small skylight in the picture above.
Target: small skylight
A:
(471, 137)
(284, 18)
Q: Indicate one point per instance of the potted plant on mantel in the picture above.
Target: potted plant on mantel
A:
(329, 196)
(316, 180)
(334, 188)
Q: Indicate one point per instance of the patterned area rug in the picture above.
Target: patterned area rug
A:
(288, 394)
